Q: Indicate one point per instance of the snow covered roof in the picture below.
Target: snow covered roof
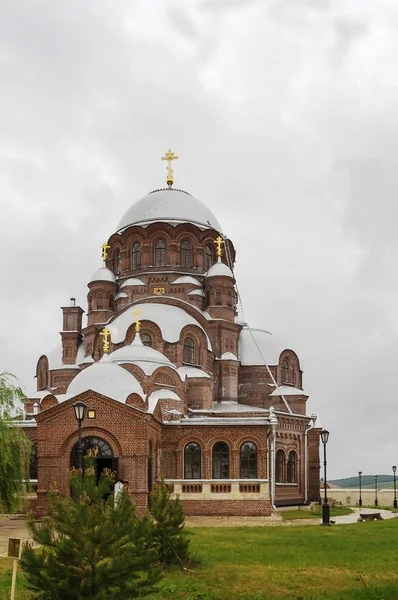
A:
(162, 394)
(192, 372)
(132, 281)
(170, 319)
(228, 356)
(40, 394)
(171, 206)
(137, 353)
(196, 293)
(103, 274)
(55, 358)
(187, 279)
(106, 378)
(121, 295)
(267, 351)
(219, 269)
(288, 390)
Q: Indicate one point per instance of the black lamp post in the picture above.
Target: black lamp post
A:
(80, 412)
(394, 470)
(325, 505)
(360, 487)
(376, 502)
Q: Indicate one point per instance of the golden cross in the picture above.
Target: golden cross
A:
(169, 156)
(105, 248)
(105, 342)
(137, 313)
(218, 241)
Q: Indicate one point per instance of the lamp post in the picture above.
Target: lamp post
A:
(325, 505)
(376, 503)
(394, 470)
(80, 412)
(360, 487)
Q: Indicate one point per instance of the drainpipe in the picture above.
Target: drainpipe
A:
(274, 423)
(313, 419)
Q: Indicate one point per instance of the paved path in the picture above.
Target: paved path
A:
(13, 528)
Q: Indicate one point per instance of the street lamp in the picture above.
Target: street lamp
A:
(360, 487)
(394, 470)
(376, 503)
(80, 412)
(325, 505)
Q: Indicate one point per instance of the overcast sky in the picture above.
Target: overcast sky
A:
(284, 115)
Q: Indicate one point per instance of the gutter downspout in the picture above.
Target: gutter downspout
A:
(274, 423)
(313, 419)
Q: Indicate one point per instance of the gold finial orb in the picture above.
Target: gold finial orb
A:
(137, 314)
(106, 334)
(169, 156)
(219, 241)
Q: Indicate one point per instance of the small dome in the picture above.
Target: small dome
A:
(137, 353)
(219, 270)
(103, 274)
(106, 378)
(228, 356)
(171, 206)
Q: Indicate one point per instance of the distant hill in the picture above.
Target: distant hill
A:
(368, 481)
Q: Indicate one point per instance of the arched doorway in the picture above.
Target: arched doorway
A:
(104, 458)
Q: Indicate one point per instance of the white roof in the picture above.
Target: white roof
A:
(40, 394)
(267, 351)
(288, 390)
(160, 395)
(228, 356)
(170, 319)
(192, 372)
(137, 353)
(219, 269)
(187, 279)
(171, 206)
(55, 358)
(103, 274)
(196, 293)
(106, 378)
(132, 281)
(121, 295)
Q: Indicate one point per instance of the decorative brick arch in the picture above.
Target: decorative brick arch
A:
(48, 402)
(68, 444)
(166, 376)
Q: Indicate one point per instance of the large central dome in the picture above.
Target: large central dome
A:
(171, 206)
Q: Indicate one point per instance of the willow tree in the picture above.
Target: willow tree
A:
(15, 447)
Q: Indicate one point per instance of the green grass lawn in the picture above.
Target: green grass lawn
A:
(284, 563)
(337, 511)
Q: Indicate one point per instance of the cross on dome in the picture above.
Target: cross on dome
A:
(106, 334)
(219, 241)
(169, 156)
(105, 247)
(137, 314)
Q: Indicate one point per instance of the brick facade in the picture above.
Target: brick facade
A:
(207, 394)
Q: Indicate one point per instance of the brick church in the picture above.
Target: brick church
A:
(175, 384)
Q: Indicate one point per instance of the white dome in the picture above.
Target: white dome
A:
(139, 354)
(169, 205)
(103, 274)
(258, 347)
(107, 379)
(228, 356)
(219, 270)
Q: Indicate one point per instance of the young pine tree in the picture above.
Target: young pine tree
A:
(91, 547)
(170, 539)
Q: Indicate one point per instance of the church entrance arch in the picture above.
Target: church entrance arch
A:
(104, 458)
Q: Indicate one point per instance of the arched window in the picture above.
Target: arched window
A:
(192, 460)
(90, 302)
(160, 253)
(218, 297)
(103, 450)
(220, 461)
(100, 302)
(208, 257)
(33, 463)
(146, 339)
(116, 261)
(292, 468)
(248, 461)
(111, 302)
(149, 471)
(186, 254)
(189, 351)
(136, 256)
(229, 301)
(280, 467)
(285, 371)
